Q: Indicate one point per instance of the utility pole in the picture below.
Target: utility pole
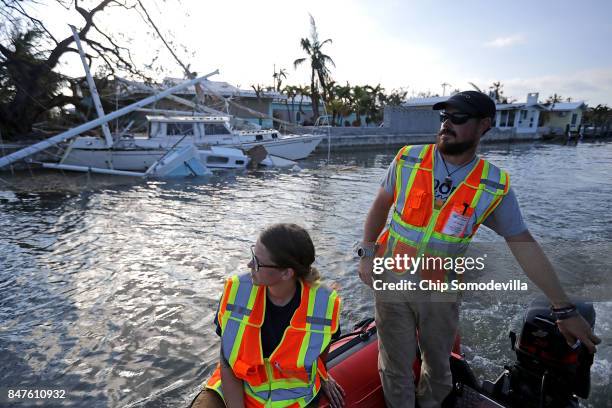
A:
(444, 85)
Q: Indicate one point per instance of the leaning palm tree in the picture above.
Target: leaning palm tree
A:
(319, 63)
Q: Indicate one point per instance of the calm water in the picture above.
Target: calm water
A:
(108, 289)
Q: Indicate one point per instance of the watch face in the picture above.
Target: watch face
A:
(360, 252)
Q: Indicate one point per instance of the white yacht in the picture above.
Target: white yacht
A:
(219, 146)
(216, 130)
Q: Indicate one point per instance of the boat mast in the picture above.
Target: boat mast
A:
(92, 87)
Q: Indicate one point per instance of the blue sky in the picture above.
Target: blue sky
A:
(540, 38)
(561, 47)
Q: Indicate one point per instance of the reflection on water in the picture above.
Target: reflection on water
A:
(108, 289)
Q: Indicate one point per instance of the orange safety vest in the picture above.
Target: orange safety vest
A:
(291, 376)
(419, 229)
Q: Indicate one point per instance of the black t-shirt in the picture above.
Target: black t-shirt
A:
(276, 320)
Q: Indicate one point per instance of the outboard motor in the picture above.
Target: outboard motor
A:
(548, 372)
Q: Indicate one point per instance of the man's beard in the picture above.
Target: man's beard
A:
(453, 148)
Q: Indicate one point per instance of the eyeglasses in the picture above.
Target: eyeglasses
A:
(455, 118)
(256, 263)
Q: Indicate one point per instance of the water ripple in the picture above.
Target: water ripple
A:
(109, 291)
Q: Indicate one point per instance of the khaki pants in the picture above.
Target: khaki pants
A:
(398, 317)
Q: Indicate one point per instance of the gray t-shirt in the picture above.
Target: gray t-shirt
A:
(506, 220)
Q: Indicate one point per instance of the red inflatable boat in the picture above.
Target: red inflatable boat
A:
(353, 362)
(546, 373)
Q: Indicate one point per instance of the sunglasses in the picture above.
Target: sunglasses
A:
(258, 265)
(455, 118)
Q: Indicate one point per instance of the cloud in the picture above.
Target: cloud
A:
(591, 85)
(501, 42)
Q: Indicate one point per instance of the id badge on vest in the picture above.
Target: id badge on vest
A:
(457, 223)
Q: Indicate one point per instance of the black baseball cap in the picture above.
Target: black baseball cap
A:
(473, 102)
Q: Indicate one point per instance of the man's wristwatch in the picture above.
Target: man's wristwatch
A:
(563, 313)
(366, 251)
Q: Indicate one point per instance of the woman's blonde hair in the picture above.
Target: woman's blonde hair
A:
(290, 246)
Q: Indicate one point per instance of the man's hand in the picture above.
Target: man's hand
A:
(538, 268)
(374, 224)
(577, 329)
(366, 265)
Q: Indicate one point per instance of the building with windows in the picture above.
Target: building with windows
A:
(523, 117)
(526, 117)
(560, 115)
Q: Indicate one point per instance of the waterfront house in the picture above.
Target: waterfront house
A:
(561, 114)
(523, 117)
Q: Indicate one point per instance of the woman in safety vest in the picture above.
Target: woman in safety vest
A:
(276, 324)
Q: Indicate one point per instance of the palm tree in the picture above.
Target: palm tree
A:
(330, 89)
(395, 98)
(259, 91)
(376, 97)
(302, 91)
(497, 91)
(360, 100)
(318, 65)
(600, 115)
(554, 98)
(334, 106)
(291, 92)
(278, 78)
(343, 93)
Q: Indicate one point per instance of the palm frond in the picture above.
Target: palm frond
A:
(475, 87)
(298, 62)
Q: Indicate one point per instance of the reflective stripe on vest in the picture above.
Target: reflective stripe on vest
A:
(417, 227)
(238, 314)
(291, 374)
(409, 158)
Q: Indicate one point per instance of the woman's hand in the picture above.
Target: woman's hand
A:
(333, 391)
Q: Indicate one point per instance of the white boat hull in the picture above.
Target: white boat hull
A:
(295, 147)
(92, 153)
(292, 148)
(130, 160)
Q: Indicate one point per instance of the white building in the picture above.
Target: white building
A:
(524, 117)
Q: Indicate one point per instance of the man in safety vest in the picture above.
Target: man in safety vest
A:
(441, 194)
